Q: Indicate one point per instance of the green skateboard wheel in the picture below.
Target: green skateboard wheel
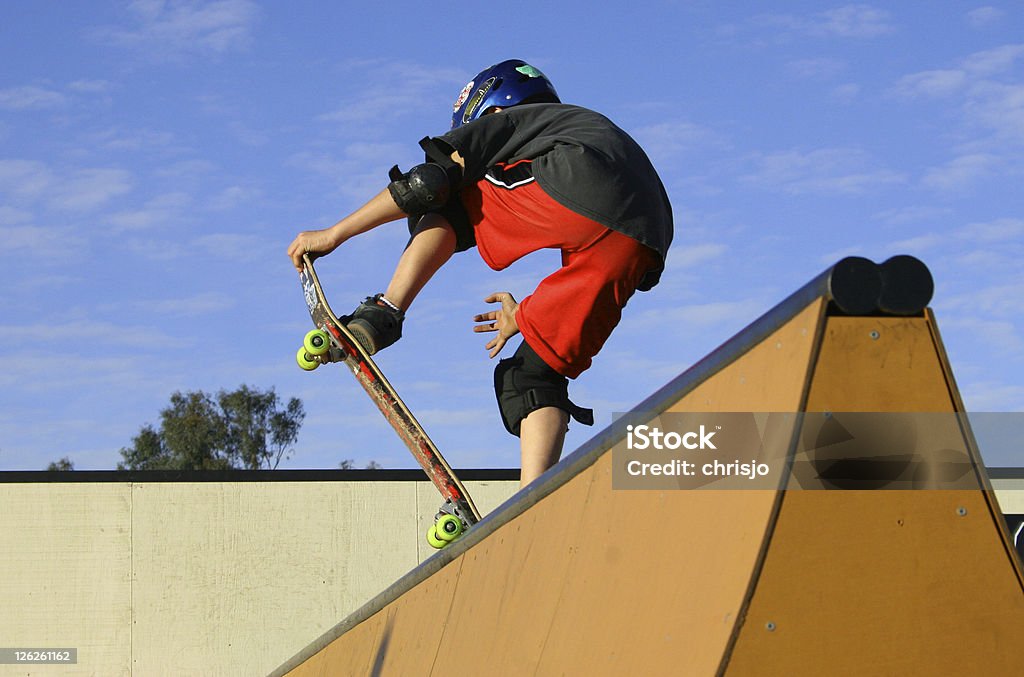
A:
(317, 342)
(449, 527)
(433, 540)
(305, 360)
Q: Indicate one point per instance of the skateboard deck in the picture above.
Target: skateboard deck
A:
(331, 341)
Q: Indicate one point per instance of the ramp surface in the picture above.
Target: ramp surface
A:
(574, 577)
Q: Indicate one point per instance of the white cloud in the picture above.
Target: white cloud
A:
(917, 245)
(234, 196)
(674, 139)
(236, 247)
(361, 170)
(206, 303)
(982, 17)
(159, 210)
(998, 108)
(39, 98)
(80, 190)
(152, 249)
(379, 90)
(912, 214)
(935, 83)
(999, 230)
(30, 97)
(174, 28)
(846, 93)
(437, 418)
(827, 170)
(24, 180)
(819, 68)
(988, 88)
(58, 243)
(854, 21)
(694, 317)
(187, 169)
(33, 376)
(1001, 336)
(828, 258)
(10, 216)
(132, 140)
(87, 189)
(987, 249)
(91, 86)
(994, 396)
(1003, 301)
(247, 135)
(961, 173)
(89, 331)
(682, 257)
(971, 71)
(994, 61)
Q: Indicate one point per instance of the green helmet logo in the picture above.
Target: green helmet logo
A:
(529, 71)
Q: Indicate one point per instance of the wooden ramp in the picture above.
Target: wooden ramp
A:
(575, 577)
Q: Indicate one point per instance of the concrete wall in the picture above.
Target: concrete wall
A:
(201, 578)
(1010, 494)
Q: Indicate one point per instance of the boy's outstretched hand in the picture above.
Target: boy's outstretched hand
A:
(502, 321)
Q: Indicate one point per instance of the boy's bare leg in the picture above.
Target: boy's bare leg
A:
(541, 435)
(431, 246)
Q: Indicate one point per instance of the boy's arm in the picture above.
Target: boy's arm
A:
(379, 210)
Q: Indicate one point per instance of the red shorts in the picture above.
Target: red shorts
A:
(574, 310)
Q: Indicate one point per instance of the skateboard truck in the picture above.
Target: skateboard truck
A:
(448, 526)
(317, 349)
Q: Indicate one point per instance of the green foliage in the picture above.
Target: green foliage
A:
(63, 464)
(245, 428)
(349, 464)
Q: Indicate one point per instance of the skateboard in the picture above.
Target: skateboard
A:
(330, 342)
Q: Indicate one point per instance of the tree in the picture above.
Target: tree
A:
(249, 416)
(244, 428)
(63, 464)
(349, 464)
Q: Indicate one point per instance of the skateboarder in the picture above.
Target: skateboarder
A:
(519, 172)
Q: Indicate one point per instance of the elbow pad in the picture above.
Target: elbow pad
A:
(422, 189)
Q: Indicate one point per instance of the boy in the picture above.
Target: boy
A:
(518, 172)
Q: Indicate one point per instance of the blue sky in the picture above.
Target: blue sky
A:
(156, 158)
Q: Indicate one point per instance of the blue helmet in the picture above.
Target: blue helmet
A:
(505, 84)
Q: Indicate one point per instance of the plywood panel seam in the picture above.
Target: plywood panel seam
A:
(562, 590)
(820, 330)
(131, 577)
(820, 327)
(752, 583)
(996, 515)
(443, 641)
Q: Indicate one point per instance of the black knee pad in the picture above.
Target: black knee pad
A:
(524, 383)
